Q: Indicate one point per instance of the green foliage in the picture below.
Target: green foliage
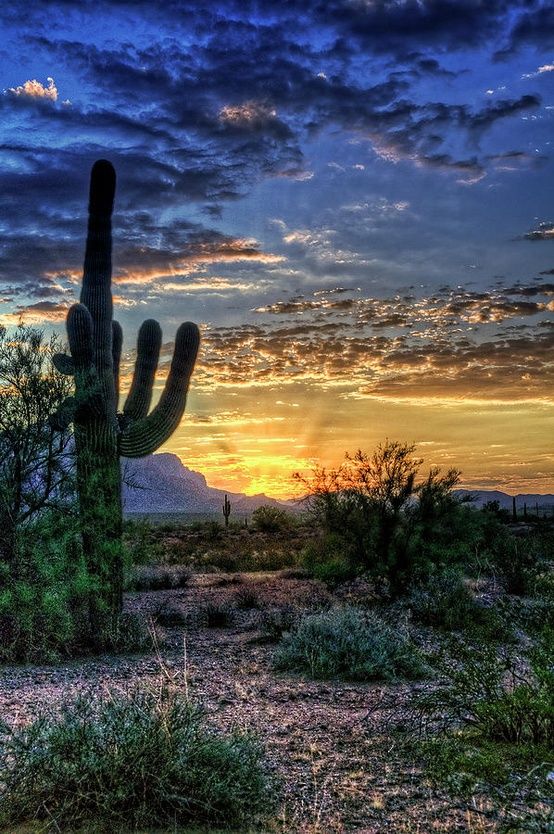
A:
(445, 601)
(140, 760)
(491, 726)
(464, 762)
(35, 463)
(43, 601)
(328, 558)
(497, 695)
(348, 643)
(141, 545)
(275, 622)
(389, 523)
(520, 561)
(268, 519)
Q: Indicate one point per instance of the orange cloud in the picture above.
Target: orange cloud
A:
(39, 313)
(34, 89)
(198, 255)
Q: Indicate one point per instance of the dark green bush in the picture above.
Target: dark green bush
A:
(140, 760)
(496, 695)
(276, 621)
(268, 519)
(329, 559)
(445, 601)
(464, 763)
(520, 561)
(141, 542)
(44, 598)
(215, 614)
(44, 593)
(490, 728)
(348, 643)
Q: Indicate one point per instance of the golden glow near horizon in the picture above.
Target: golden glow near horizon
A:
(466, 376)
(269, 399)
(365, 240)
(496, 445)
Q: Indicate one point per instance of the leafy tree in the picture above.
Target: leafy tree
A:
(387, 519)
(35, 470)
(268, 519)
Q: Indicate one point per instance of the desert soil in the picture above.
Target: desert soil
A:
(328, 743)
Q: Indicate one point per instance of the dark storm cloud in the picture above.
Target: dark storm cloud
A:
(532, 289)
(534, 26)
(216, 99)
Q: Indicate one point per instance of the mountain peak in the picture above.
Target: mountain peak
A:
(161, 483)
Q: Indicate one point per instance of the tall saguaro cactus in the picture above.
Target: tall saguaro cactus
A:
(226, 510)
(102, 434)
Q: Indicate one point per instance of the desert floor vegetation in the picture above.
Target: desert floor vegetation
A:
(306, 705)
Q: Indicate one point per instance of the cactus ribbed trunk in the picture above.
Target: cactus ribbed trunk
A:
(99, 486)
(96, 427)
(101, 433)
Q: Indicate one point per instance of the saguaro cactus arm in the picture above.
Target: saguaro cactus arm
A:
(145, 435)
(117, 344)
(148, 351)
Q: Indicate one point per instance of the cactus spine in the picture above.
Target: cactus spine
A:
(226, 510)
(101, 433)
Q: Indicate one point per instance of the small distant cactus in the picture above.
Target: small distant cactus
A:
(102, 433)
(226, 510)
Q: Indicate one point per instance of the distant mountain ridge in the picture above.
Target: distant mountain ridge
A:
(482, 496)
(163, 484)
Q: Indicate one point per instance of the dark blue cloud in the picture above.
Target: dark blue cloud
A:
(199, 106)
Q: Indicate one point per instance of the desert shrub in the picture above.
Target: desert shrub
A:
(275, 622)
(445, 601)
(268, 519)
(390, 524)
(170, 615)
(132, 634)
(494, 694)
(246, 598)
(329, 559)
(294, 573)
(142, 546)
(228, 579)
(348, 643)
(157, 578)
(140, 760)
(215, 614)
(532, 615)
(464, 763)
(490, 727)
(520, 561)
(268, 558)
(44, 593)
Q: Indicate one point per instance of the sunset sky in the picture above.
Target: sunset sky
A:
(352, 198)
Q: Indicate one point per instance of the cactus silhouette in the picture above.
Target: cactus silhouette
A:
(102, 434)
(226, 510)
